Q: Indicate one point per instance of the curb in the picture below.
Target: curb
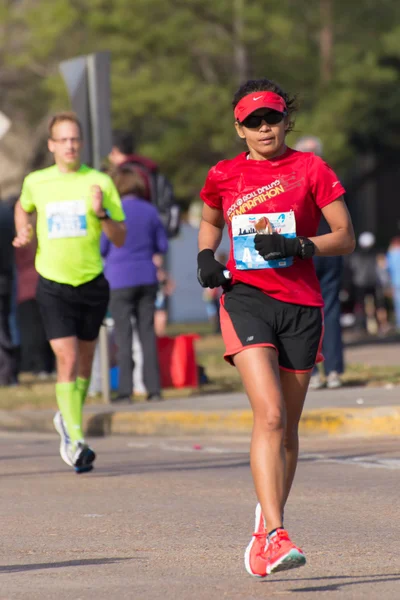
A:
(377, 421)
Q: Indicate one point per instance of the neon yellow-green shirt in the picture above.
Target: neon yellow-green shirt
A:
(67, 229)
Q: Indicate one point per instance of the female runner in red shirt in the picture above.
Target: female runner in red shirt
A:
(271, 199)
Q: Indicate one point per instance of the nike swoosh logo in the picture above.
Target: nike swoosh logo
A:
(258, 98)
(333, 184)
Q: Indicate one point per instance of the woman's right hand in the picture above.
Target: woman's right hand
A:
(210, 272)
(24, 237)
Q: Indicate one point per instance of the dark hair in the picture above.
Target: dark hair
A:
(267, 85)
(128, 180)
(60, 118)
(123, 141)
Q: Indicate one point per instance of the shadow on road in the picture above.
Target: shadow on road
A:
(180, 466)
(66, 563)
(49, 454)
(337, 586)
(132, 468)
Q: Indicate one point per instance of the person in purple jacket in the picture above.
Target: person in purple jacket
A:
(132, 275)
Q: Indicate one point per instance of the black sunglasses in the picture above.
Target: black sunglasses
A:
(272, 117)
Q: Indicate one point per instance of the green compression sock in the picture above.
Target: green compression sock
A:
(82, 385)
(69, 403)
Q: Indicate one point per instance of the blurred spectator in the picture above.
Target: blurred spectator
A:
(14, 329)
(384, 273)
(370, 310)
(10, 201)
(7, 359)
(132, 276)
(386, 285)
(36, 355)
(211, 300)
(393, 263)
(166, 287)
(158, 189)
(329, 271)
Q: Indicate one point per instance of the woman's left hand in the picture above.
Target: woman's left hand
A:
(275, 246)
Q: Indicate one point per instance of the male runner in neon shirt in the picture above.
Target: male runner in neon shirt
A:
(73, 205)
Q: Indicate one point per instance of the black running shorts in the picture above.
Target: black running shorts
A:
(73, 311)
(251, 318)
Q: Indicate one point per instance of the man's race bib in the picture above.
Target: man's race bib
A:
(243, 232)
(66, 219)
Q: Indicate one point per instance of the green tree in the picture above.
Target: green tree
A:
(177, 63)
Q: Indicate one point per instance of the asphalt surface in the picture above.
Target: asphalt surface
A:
(169, 518)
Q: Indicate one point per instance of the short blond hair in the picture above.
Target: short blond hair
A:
(60, 117)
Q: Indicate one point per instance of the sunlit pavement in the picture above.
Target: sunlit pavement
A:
(169, 518)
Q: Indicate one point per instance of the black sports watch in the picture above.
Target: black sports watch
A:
(307, 248)
(104, 216)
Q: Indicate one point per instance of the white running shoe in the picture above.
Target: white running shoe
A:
(333, 380)
(65, 442)
(81, 456)
(316, 382)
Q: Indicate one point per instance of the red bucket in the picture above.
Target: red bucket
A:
(177, 358)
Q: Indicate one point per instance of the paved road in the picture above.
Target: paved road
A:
(164, 518)
(375, 352)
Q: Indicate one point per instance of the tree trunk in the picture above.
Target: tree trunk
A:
(326, 40)
(239, 49)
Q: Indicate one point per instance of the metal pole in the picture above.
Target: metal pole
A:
(104, 364)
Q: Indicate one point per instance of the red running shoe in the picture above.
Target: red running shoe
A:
(254, 557)
(281, 554)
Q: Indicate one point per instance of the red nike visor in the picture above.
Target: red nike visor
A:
(255, 100)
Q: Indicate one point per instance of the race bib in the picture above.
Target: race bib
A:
(66, 219)
(243, 232)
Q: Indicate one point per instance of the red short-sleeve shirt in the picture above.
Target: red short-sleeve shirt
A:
(295, 181)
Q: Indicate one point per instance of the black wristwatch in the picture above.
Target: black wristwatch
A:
(104, 216)
(307, 248)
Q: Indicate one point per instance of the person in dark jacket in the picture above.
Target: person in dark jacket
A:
(158, 188)
(37, 356)
(7, 370)
(329, 271)
(370, 312)
(122, 155)
(132, 276)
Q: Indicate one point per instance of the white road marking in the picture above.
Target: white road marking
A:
(368, 462)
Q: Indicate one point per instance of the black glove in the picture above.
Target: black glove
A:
(275, 246)
(210, 272)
